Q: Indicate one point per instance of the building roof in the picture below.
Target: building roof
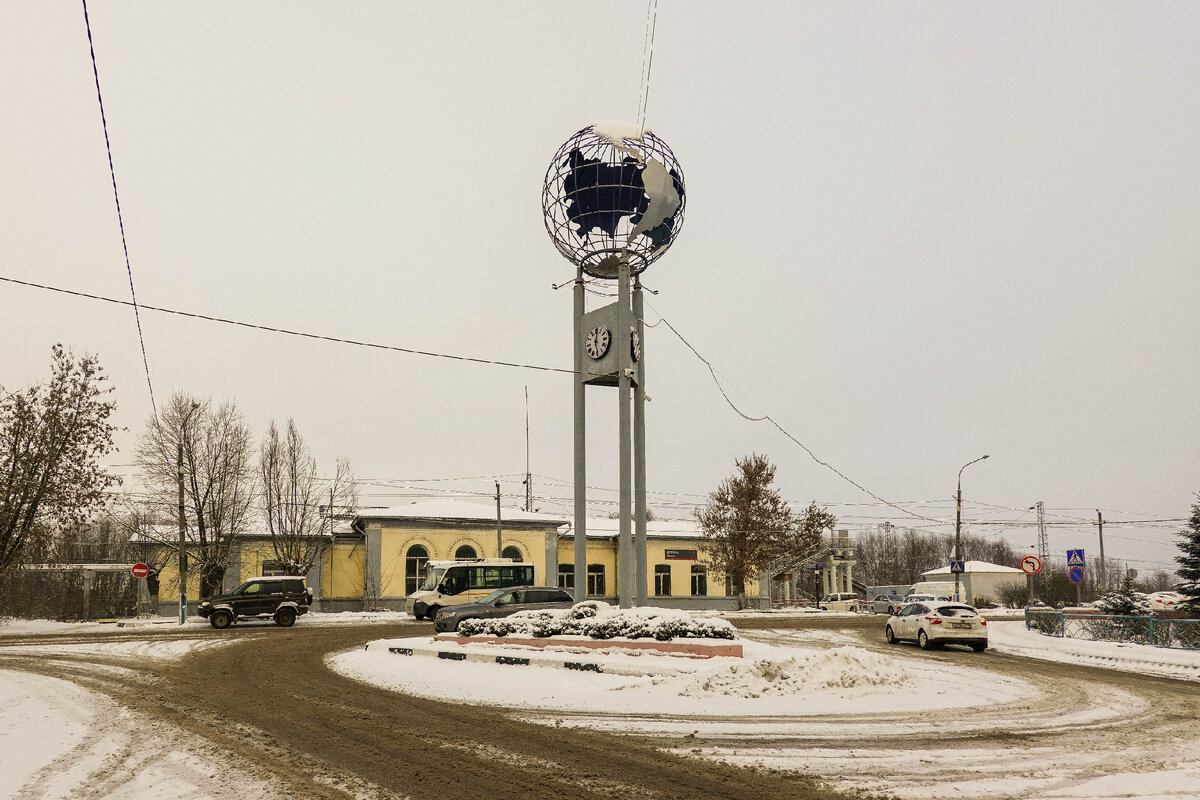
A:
(458, 510)
(975, 567)
(659, 528)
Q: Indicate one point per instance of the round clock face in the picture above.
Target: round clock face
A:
(597, 342)
(635, 346)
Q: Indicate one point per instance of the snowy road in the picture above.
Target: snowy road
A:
(170, 712)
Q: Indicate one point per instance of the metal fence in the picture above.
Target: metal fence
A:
(1181, 633)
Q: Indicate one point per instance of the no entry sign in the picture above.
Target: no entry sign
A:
(139, 570)
(1030, 565)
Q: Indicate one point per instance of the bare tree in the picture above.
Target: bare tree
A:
(293, 498)
(218, 476)
(52, 437)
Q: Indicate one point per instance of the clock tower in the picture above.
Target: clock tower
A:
(613, 201)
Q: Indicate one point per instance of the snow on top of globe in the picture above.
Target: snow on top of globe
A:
(617, 131)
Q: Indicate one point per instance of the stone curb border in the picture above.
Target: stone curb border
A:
(684, 647)
(538, 660)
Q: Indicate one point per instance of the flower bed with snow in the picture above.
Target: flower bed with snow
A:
(598, 620)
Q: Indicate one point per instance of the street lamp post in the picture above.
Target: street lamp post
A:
(958, 526)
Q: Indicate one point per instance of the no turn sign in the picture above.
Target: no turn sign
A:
(139, 570)
(1030, 565)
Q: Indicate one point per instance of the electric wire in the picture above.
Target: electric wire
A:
(647, 63)
(289, 332)
(120, 218)
(784, 431)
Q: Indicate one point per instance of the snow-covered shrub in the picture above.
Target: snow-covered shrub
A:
(600, 621)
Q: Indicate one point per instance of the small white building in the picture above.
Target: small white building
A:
(978, 579)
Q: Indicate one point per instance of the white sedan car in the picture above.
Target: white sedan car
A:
(935, 623)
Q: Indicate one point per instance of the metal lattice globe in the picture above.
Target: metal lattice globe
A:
(613, 193)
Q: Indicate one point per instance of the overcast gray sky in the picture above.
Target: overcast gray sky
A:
(915, 233)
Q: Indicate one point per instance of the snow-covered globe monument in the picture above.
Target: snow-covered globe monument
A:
(613, 202)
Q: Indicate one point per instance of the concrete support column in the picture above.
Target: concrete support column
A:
(551, 554)
(233, 568)
(314, 580)
(580, 526)
(373, 549)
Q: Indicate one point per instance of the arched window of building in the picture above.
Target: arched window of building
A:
(414, 568)
(512, 553)
(465, 552)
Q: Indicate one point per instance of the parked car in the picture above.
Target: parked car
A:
(503, 602)
(1165, 601)
(280, 597)
(838, 601)
(886, 604)
(935, 623)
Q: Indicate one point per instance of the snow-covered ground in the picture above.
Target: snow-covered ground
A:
(787, 680)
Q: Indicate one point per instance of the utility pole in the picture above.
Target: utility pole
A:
(528, 476)
(1043, 543)
(958, 525)
(1103, 569)
(499, 545)
(182, 539)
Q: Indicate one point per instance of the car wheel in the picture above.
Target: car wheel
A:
(432, 613)
(891, 610)
(923, 641)
(979, 648)
(284, 617)
(889, 635)
(221, 620)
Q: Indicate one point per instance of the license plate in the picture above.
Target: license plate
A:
(960, 625)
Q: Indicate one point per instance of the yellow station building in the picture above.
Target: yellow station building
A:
(378, 558)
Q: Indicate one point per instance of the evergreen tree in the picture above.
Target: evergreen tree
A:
(1189, 560)
(1125, 601)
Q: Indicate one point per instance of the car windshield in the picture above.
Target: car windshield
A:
(431, 581)
(957, 611)
(494, 596)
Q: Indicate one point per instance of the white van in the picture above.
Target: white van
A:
(941, 590)
(452, 583)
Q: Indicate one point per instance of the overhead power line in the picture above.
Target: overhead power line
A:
(286, 331)
(120, 219)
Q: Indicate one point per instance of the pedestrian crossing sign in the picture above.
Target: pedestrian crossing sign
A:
(1075, 558)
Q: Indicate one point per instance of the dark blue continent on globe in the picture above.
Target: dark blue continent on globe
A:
(599, 194)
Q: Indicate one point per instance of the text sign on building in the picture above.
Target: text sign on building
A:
(681, 555)
(1075, 558)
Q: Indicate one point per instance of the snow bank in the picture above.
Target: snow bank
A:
(840, 668)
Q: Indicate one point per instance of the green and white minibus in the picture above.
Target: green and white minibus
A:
(451, 583)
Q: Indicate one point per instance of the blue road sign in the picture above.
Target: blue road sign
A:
(1075, 574)
(1075, 559)
(958, 567)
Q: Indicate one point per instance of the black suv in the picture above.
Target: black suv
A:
(283, 597)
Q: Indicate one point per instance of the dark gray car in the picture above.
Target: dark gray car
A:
(503, 602)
